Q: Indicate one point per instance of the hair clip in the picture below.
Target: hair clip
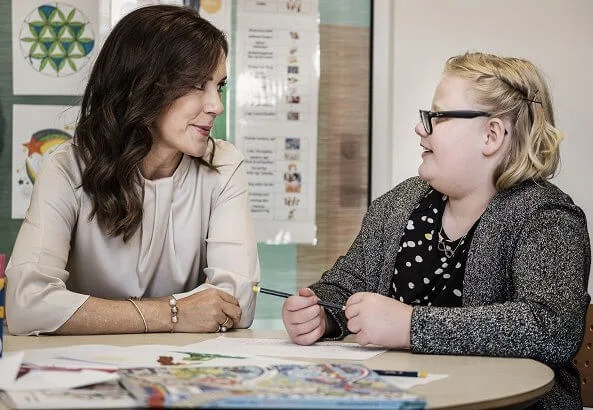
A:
(532, 101)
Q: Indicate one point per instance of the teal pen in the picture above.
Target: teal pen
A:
(330, 305)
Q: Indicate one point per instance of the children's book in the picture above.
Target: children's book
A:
(279, 386)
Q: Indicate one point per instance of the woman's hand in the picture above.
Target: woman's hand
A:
(206, 310)
(379, 320)
(303, 318)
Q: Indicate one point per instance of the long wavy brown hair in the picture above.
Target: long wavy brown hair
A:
(153, 56)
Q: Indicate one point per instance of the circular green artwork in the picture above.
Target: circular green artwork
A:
(57, 39)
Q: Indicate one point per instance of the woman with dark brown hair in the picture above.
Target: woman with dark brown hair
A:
(142, 224)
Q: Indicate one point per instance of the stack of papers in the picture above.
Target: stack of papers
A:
(88, 376)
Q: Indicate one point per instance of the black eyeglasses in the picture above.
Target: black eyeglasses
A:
(427, 116)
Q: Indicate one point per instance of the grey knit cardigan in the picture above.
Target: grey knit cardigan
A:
(524, 289)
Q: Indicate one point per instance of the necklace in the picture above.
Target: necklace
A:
(443, 246)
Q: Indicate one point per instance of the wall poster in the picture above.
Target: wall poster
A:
(53, 45)
(277, 71)
(36, 131)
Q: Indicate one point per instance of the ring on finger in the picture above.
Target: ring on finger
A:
(219, 329)
(224, 324)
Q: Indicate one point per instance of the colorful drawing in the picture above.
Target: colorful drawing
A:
(42, 143)
(37, 131)
(56, 39)
(36, 149)
(193, 357)
(274, 386)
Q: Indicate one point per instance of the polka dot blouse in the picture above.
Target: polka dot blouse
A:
(429, 267)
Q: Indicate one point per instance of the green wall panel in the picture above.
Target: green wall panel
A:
(353, 13)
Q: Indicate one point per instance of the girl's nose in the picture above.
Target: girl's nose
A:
(420, 130)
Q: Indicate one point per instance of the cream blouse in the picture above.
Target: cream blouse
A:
(196, 233)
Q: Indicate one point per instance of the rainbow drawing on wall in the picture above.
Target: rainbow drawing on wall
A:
(56, 39)
(37, 131)
(41, 143)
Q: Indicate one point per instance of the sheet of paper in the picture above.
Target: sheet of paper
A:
(56, 357)
(106, 356)
(59, 379)
(36, 379)
(10, 364)
(286, 348)
(409, 382)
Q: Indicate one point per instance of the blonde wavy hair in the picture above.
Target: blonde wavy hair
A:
(514, 89)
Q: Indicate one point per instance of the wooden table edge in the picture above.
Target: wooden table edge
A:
(518, 401)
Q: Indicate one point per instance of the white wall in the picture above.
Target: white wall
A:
(556, 35)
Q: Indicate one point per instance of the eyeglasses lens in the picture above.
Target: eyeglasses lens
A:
(426, 121)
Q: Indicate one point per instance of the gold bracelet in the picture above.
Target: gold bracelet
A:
(141, 315)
